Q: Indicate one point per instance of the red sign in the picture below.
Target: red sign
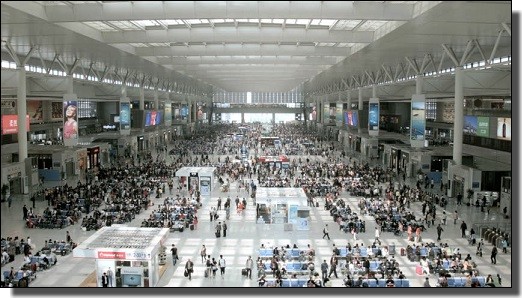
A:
(111, 255)
(10, 124)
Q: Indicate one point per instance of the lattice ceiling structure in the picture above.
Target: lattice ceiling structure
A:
(254, 45)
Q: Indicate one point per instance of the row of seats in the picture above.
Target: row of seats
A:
(457, 282)
(292, 252)
(381, 283)
(299, 268)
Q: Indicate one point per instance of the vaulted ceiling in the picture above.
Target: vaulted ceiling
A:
(254, 45)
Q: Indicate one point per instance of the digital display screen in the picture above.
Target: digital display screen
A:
(373, 116)
(133, 280)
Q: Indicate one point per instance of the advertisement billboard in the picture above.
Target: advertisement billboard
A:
(184, 112)
(70, 120)
(373, 116)
(168, 113)
(35, 110)
(418, 120)
(470, 125)
(10, 124)
(313, 113)
(504, 128)
(125, 115)
(483, 127)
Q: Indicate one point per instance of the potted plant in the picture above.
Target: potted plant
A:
(5, 192)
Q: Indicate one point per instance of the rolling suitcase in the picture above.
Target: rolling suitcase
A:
(403, 252)
(317, 204)
(192, 227)
(244, 272)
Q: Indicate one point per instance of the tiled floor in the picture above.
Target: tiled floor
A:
(244, 236)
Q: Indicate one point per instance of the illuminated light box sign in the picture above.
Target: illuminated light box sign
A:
(123, 255)
(373, 117)
(10, 124)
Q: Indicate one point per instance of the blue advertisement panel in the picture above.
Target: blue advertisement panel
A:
(470, 125)
(373, 116)
(70, 120)
(339, 113)
(347, 117)
(355, 119)
(125, 119)
(418, 120)
(184, 112)
(168, 113)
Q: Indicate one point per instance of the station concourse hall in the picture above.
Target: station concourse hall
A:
(252, 144)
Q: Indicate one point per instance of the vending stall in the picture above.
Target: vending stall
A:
(199, 178)
(288, 206)
(130, 256)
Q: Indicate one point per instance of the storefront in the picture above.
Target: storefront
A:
(131, 257)
(197, 178)
(276, 205)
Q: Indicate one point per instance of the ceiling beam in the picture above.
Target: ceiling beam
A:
(238, 34)
(156, 10)
(245, 50)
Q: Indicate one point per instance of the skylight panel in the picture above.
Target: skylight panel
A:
(193, 21)
(266, 20)
(315, 22)
(100, 26)
(159, 44)
(302, 21)
(346, 24)
(278, 21)
(325, 44)
(124, 25)
(327, 22)
(371, 25)
(145, 23)
(139, 45)
(172, 22)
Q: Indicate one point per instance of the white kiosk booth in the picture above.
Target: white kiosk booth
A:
(276, 205)
(197, 178)
(130, 256)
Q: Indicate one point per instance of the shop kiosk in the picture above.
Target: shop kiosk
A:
(286, 206)
(130, 256)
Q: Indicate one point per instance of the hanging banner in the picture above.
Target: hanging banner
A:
(125, 119)
(168, 113)
(418, 120)
(373, 117)
(10, 124)
(70, 120)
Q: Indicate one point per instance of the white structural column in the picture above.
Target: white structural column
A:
(69, 81)
(21, 104)
(156, 98)
(419, 81)
(142, 97)
(374, 91)
(190, 111)
(459, 116)
(360, 107)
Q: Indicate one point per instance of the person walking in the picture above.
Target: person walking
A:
(455, 217)
(439, 231)
(25, 212)
(222, 265)
(248, 266)
(377, 235)
(174, 251)
(203, 253)
(324, 270)
(189, 269)
(504, 245)
(219, 203)
(218, 230)
(463, 228)
(427, 283)
(325, 232)
(494, 252)
(224, 227)
(333, 266)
